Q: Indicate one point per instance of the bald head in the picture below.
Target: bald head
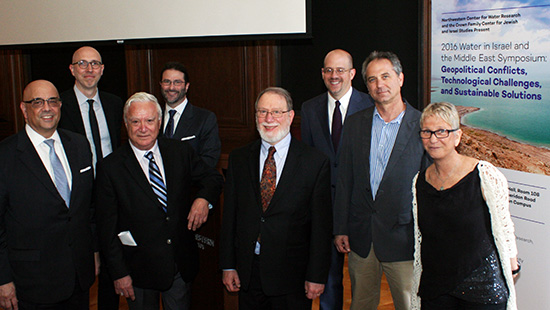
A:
(87, 69)
(338, 73)
(340, 55)
(40, 107)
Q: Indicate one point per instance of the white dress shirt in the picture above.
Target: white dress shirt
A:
(344, 104)
(179, 112)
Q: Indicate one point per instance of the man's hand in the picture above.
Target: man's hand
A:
(97, 263)
(123, 287)
(198, 214)
(8, 300)
(314, 290)
(231, 280)
(342, 243)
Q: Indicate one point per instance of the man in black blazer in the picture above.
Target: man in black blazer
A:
(46, 232)
(87, 68)
(381, 152)
(276, 231)
(185, 122)
(146, 213)
(102, 129)
(317, 131)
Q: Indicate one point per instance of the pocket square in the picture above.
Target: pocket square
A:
(85, 169)
(188, 138)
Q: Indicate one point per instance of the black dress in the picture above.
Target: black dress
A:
(458, 252)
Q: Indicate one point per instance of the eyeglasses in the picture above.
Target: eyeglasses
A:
(440, 133)
(54, 102)
(274, 114)
(338, 71)
(168, 82)
(83, 64)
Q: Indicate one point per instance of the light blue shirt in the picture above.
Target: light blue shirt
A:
(381, 145)
(280, 155)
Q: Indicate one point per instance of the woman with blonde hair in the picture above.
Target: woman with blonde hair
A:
(465, 250)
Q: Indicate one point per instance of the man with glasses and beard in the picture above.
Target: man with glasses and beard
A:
(186, 122)
(277, 221)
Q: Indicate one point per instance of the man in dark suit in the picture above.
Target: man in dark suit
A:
(276, 231)
(381, 152)
(145, 210)
(322, 124)
(76, 116)
(101, 125)
(46, 233)
(185, 122)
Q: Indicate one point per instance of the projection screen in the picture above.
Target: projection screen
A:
(56, 21)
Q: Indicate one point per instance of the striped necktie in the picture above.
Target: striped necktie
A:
(155, 178)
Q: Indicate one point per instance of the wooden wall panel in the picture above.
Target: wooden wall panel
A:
(13, 78)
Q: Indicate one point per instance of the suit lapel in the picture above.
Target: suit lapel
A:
(403, 137)
(72, 156)
(110, 118)
(73, 110)
(135, 171)
(29, 157)
(365, 142)
(185, 121)
(322, 117)
(288, 173)
(254, 170)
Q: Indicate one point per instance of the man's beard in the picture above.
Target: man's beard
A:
(275, 136)
(181, 94)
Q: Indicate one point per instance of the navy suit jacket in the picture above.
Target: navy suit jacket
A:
(199, 127)
(315, 126)
(385, 221)
(45, 246)
(126, 202)
(71, 118)
(295, 229)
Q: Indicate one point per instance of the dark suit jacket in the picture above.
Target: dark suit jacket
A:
(295, 229)
(126, 202)
(199, 127)
(71, 118)
(386, 221)
(44, 246)
(315, 126)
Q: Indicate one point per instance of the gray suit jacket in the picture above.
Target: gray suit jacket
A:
(385, 222)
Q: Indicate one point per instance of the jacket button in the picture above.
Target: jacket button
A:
(169, 241)
(167, 218)
(262, 219)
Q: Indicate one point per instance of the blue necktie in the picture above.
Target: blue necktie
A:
(155, 178)
(336, 126)
(169, 132)
(59, 173)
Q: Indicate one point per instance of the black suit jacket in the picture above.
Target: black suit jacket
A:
(295, 229)
(126, 202)
(71, 118)
(199, 127)
(386, 221)
(45, 246)
(315, 126)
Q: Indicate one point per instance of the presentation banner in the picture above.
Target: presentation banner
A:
(492, 60)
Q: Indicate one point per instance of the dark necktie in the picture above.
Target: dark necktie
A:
(95, 129)
(155, 178)
(268, 182)
(336, 126)
(60, 177)
(169, 132)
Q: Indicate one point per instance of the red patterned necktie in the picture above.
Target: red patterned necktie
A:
(269, 179)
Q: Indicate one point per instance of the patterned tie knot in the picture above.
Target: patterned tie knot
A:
(172, 113)
(150, 155)
(272, 151)
(50, 143)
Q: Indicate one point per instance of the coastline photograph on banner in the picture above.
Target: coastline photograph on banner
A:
(492, 60)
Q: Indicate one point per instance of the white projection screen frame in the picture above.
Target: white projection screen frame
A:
(61, 21)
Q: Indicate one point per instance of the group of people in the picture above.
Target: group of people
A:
(371, 177)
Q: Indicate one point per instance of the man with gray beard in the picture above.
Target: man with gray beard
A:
(277, 221)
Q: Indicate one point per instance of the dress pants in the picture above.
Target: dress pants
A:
(333, 296)
(255, 299)
(177, 297)
(366, 274)
(107, 299)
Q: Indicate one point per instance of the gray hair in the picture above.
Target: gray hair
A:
(279, 91)
(141, 97)
(444, 110)
(382, 55)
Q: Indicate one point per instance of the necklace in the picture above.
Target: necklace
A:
(448, 176)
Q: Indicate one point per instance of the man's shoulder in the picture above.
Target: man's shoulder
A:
(74, 137)
(9, 142)
(310, 152)
(201, 112)
(103, 95)
(68, 95)
(315, 101)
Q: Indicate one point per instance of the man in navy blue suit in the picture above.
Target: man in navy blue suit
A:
(322, 124)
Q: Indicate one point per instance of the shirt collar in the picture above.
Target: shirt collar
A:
(82, 99)
(344, 101)
(179, 108)
(281, 147)
(37, 138)
(141, 153)
(397, 120)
